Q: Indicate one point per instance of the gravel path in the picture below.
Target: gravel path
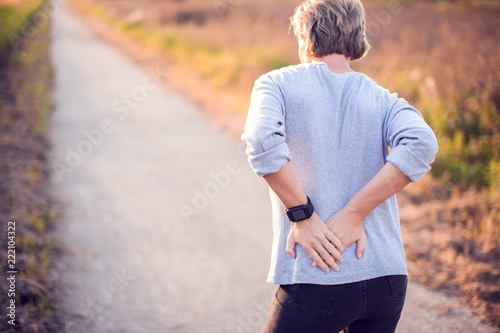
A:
(166, 227)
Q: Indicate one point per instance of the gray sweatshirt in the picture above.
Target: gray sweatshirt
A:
(335, 129)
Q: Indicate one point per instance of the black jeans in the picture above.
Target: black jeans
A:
(369, 306)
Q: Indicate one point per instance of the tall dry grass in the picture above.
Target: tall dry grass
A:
(446, 63)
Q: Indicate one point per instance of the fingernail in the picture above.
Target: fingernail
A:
(337, 269)
(328, 270)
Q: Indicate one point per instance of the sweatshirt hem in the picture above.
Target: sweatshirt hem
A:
(334, 281)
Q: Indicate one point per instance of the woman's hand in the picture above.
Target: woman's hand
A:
(348, 227)
(320, 244)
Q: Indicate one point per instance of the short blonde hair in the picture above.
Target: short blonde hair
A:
(331, 26)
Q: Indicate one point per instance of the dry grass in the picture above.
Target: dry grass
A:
(452, 76)
(452, 231)
(450, 245)
(443, 58)
(24, 107)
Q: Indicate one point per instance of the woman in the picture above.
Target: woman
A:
(318, 133)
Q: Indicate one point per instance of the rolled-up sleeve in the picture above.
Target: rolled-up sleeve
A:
(413, 143)
(264, 134)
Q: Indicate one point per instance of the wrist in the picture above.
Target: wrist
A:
(358, 212)
(291, 203)
(301, 212)
(304, 223)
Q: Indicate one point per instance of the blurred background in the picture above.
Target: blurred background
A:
(442, 56)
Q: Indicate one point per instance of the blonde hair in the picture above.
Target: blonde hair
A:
(331, 26)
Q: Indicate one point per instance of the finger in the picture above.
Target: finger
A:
(360, 247)
(317, 259)
(333, 251)
(335, 241)
(327, 257)
(314, 262)
(290, 247)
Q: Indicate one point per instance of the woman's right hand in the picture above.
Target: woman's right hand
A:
(322, 246)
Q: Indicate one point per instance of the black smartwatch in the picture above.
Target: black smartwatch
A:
(300, 213)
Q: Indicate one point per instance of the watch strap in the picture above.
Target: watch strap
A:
(300, 213)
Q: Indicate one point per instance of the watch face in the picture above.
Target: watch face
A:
(299, 215)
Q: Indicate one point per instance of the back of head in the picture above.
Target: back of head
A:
(331, 27)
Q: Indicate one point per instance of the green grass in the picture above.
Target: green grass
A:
(469, 141)
(467, 129)
(14, 18)
(39, 221)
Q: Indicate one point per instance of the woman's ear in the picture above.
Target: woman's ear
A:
(303, 43)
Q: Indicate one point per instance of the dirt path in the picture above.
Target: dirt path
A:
(158, 230)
